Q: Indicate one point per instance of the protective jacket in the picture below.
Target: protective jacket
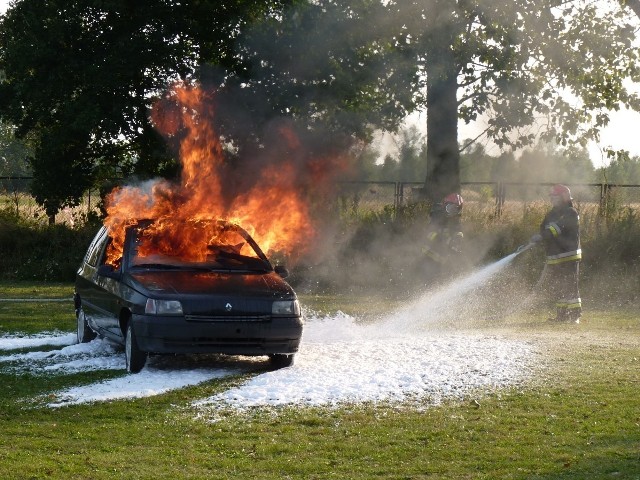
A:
(560, 232)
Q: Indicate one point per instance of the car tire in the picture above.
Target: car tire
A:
(135, 358)
(281, 360)
(83, 330)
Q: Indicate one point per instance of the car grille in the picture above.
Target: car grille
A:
(227, 318)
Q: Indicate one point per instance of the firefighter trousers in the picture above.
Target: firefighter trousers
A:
(564, 287)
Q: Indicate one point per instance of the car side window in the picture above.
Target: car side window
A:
(115, 263)
(96, 248)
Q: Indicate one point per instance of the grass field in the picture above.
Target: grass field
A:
(578, 419)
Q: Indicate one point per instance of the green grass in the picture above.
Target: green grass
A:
(580, 419)
(29, 290)
(44, 307)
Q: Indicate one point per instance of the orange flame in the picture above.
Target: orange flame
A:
(275, 210)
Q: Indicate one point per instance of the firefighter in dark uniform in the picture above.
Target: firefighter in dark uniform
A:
(560, 234)
(444, 235)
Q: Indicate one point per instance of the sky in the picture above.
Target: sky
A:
(621, 133)
(420, 355)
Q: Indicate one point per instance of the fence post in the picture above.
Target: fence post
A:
(604, 193)
(500, 197)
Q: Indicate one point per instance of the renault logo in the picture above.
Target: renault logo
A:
(228, 307)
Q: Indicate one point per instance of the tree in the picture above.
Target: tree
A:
(324, 65)
(13, 153)
(556, 67)
(81, 77)
(409, 156)
(14, 156)
(544, 70)
(547, 162)
(624, 170)
(476, 164)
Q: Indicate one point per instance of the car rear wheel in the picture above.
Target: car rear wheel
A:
(83, 331)
(281, 360)
(135, 357)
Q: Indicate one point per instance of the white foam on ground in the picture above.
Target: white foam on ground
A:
(407, 356)
(147, 383)
(15, 342)
(368, 365)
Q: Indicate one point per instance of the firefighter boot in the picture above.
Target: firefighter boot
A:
(574, 315)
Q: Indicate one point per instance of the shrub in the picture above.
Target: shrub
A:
(32, 251)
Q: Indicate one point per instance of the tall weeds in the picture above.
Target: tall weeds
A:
(380, 249)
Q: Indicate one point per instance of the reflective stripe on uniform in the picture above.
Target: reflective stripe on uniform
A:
(565, 257)
(555, 229)
(432, 236)
(570, 304)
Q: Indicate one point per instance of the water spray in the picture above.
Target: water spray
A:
(449, 302)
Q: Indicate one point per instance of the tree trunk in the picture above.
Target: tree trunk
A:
(443, 157)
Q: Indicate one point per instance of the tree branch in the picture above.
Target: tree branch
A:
(633, 5)
(472, 141)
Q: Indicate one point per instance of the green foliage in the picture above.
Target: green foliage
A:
(14, 154)
(32, 251)
(546, 162)
(321, 66)
(82, 76)
(581, 48)
(517, 60)
(623, 170)
(543, 163)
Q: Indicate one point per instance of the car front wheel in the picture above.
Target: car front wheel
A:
(135, 357)
(83, 331)
(281, 360)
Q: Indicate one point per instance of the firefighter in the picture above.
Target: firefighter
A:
(560, 235)
(444, 238)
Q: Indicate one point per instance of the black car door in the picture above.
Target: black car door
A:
(86, 278)
(99, 289)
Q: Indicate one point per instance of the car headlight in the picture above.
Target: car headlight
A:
(285, 307)
(163, 307)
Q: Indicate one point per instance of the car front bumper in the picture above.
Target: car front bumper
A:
(158, 334)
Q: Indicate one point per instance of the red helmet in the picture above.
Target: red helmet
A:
(453, 204)
(561, 191)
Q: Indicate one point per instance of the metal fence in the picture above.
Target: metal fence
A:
(366, 196)
(15, 198)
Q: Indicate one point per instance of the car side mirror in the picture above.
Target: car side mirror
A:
(108, 271)
(281, 270)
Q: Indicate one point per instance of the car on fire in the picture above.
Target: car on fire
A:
(152, 299)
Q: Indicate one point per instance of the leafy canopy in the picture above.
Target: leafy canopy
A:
(538, 66)
(81, 77)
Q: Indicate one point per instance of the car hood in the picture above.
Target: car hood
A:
(189, 283)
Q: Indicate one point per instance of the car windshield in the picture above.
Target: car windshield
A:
(197, 245)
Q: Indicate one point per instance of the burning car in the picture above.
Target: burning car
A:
(209, 290)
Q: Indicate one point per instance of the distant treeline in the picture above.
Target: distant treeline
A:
(542, 164)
